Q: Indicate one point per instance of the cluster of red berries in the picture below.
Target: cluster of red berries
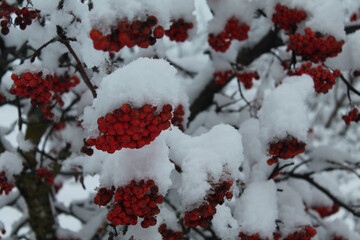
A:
(306, 233)
(178, 118)
(326, 211)
(137, 199)
(285, 148)
(246, 78)
(335, 237)
(286, 18)
(140, 33)
(314, 46)
(24, 16)
(45, 174)
(86, 148)
(256, 236)
(178, 30)
(4, 185)
(324, 80)
(352, 116)
(223, 77)
(355, 16)
(168, 234)
(128, 127)
(42, 89)
(233, 30)
(203, 215)
(59, 126)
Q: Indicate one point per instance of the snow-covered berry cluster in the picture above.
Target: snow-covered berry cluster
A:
(59, 126)
(5, 187)
(178, 119)
(168, 234)
(314, 46)
(352, 116)
(285, 148)
(286, 18)
(222, 77)
(46, 175)
(234, 30)
(86, 148)
(324, 80)
(326, 211)
(246, 78)
(335, 237)
(137, 33)
(24, 16)
(129, 127)
(136, 200)
(256, 236)
(42, 89)
(306, 233)
(178, 30)
(203, 215)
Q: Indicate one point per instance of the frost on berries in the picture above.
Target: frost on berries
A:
(314, 46)
(352, 116)
(324, 80)
(286, 18)
(43, 89)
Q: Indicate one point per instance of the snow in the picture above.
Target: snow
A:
(11, 164)
(143, 81)
(24, 145)
(225, 225)
(284, 112)
(210, 157)
(257, 210)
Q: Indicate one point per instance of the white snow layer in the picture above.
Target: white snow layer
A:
(11, 164)
(257, 210)
(208, 158)
(284, 111)
(143, 81)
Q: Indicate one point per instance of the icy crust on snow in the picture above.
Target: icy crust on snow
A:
(208, 158)
(225, 225)
(291, 210)
(284, 111)
(11, 164)
(143, 81)
(257, 210)
(149, 162)
(326, 17)
(225, 9)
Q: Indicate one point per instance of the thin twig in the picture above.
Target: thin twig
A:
(38, 51)
(64, 40)
(20, 121)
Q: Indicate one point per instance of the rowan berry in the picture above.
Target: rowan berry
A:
(323, 79)
(306, 233)
(286, 148)
(140, 33)
(222, 77)
(129, 127)
(314, 46)
(46, 175)
(5, 186)
(352, 116)
(246, 78)
(286, 18)
(168, 234)
(136, 200)
(179, 30)
(326, 211)
(178, 119)
(203, 215)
